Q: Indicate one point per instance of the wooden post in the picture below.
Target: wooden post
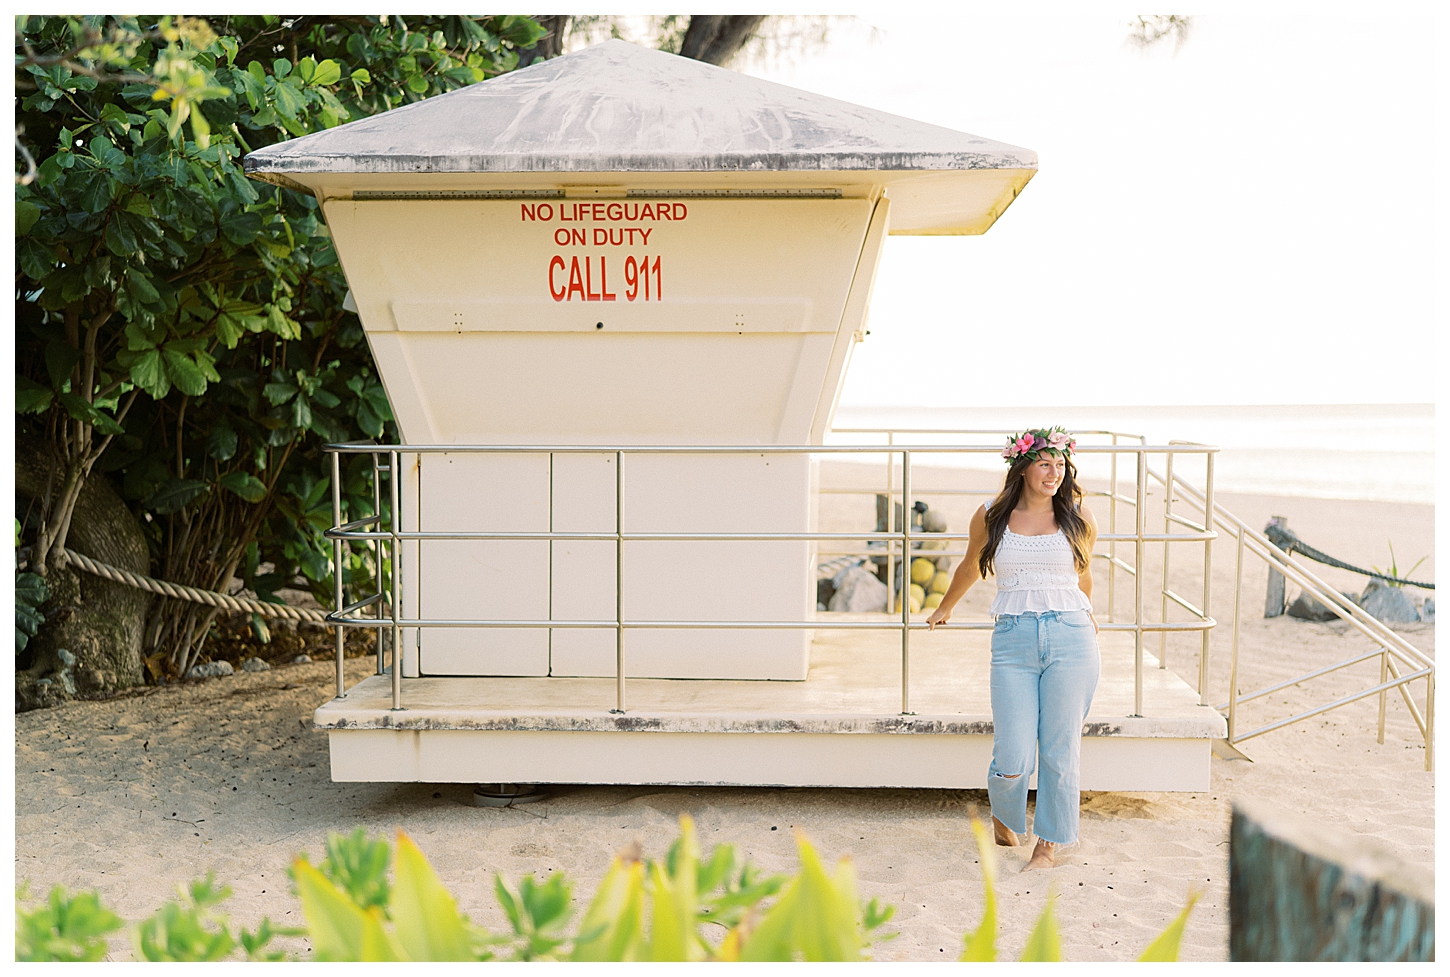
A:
(1303, 891)
(1274, 602)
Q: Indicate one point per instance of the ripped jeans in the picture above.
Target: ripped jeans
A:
(1044, 671)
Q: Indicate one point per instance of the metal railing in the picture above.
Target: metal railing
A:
(387, 601)
(1393, 653)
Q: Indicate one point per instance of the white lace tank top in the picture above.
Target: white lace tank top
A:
(1036, 573)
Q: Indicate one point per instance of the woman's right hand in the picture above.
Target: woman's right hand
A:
(940, 615)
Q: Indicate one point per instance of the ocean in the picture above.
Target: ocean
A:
(1382, 452)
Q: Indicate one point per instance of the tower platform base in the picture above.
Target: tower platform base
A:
(841, 727)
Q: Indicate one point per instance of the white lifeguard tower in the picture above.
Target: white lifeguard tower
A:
(669, 263)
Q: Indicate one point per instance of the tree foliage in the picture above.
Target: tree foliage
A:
(180, 326)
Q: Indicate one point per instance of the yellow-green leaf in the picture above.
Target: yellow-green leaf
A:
(1044, 945)
(425, 917)
(672, 937)
(816, 919)
(613, 928)
(1165, 948)
(338, 928)
(328, 72)
(981, 944)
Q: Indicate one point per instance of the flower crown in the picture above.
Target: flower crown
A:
(1034, 443)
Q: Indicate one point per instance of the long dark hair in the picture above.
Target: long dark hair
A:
(1066, 509)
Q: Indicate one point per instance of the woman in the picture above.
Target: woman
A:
(1038, 538)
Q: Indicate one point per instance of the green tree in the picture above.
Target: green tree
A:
(179, 327)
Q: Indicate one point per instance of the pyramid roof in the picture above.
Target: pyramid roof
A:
(622, 114)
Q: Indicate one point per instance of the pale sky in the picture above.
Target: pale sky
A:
(1249, 220)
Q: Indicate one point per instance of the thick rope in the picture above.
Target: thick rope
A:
(1290, 543)
(211, 598)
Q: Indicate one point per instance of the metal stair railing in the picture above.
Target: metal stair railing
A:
(1394, 650)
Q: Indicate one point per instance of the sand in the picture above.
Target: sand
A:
(134, 795)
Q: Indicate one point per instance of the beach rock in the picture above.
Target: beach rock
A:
(68, 663)
(825, 590)
(255, 665)
(1390, 604)
(933, 521)
(858, 590)
(210, 670)
(1427, 611)
(1308, 608)
(302, 659)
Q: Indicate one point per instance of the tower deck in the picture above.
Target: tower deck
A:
(842, 726)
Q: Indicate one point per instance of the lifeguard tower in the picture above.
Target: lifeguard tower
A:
(613, 298)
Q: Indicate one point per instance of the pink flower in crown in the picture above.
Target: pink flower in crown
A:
(1038, 442)
(1023, 444)
(1010, 451)
(1059, 441)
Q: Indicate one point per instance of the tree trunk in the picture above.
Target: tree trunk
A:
(96, 623)
(551, 45)
(716, 38)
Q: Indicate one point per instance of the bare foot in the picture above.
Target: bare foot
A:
(1043, 856)
(1004, 835)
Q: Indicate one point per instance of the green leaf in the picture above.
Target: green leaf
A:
(35, 259)
(279, 323)
(328, 73)
(184, 372)
(337, 927)
(426, 919)
(355, 863)
(174, 495)
(95, 191)
(1044, 945)
(221, 442)
(260, 629)
(301, 413)
(245, 486)
(119, 238)
(242, 227)
(77, 407)
(64, 928)
(306, 68)
(279, 393)
(417, 84)
(104, 152)
(1164, 949)
(60, 361)
(30, 593)
(31, 397)
(981, 944)
(289, 102)
(141, 286)
(26, 214)
(361, 77)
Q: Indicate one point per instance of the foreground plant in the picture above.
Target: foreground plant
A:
(188, 928)
(685, 907)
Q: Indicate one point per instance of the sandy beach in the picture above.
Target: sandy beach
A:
(134, 795)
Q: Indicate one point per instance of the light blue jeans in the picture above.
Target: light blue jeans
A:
(1044, 671)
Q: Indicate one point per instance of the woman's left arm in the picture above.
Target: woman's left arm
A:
(1085, 578)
